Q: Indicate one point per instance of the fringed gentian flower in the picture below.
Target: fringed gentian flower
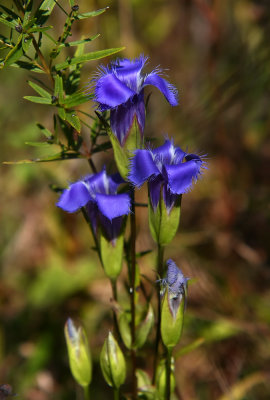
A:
(120, 89)
(106, 209)
(173, 304)
(98, 193)
(166, 166)
(170, 172)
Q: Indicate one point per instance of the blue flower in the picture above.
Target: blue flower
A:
(98, 194)
(120, 89)
(166, 167)
(176, 283)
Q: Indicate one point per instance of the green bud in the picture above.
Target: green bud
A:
(112, 255)
(163, 225)
(122, 154)
(146, 390)
(78, 353)
(112, 362)
(161, 379)
(172, 318)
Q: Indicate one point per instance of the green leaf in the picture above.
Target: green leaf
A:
(39, 29)
(56, 157)
(45, 131)
(15, 54)
(78, 42)
(76, 99)
(62, 113)
(27, 65)
(58, 89)
(26, 43)
(44, 11)
(95, 55)
(143, 329)
(11, 13)
(39, 100)
(38, 144)
(189, 348)
(74, 120)
(92, 13)
(7, 20)
(40, 90)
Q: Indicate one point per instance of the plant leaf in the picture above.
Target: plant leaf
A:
(44, 11)
(76, 99)
(45, 131)
(39, 100)
(27, 65)
(40, 90)
(92, 13)
(15, 54)
(78, 42)
(55, 157)
(95, 55)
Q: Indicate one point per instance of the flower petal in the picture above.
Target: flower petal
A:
(111, 92)
(97, 182)
(129, 72)
(180, 176)
(75, 197)
(123, 116)
(142, 166)
(112, 228)
(113, 206)
(168, 90)
(154, 190)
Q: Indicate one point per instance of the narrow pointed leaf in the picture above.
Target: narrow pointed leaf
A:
(76, 99)
(95, 55)
(15, 54)
(55, 157)
(92, 13)
(39, 100)
(44, 11)
(40, 90)
(27, 65)
(78, 42)
(45, 131)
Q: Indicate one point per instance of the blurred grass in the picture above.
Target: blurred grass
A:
(218, 56)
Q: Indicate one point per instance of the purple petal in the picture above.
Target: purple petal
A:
(168, 90)
(114, 181)
(142, 166)
(111, 92)
(180, 176)
(97, 182)
(92, 212)
(154, 190)
(111, 228)
(112, 206)
(168, 153)
(123, 116)
(128, 71)
(169, 198)
(75, 197)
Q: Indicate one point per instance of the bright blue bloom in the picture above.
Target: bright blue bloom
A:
(120, 89)
(175, 280)
(166, 167)
(98, 194)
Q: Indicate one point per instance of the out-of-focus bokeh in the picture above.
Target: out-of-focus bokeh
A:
(217, 53)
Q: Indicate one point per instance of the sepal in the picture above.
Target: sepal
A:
(163, 223)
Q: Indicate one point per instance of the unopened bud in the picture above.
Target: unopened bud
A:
(78, 353)
(112, 362)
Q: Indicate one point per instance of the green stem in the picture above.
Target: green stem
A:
(160, 256)
(168, 373)
(132, 291)
(86, 393)
(116, 394)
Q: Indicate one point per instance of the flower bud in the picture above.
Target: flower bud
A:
(112, 362)
(112, 255)
(78, 353)
(173, 305)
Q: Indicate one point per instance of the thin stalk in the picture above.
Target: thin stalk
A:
(86, 393)
(116, 394)
(132, 291)
(168, 374)
(160, 256)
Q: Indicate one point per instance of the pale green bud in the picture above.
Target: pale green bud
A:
(112, 362)
(112, 255)
(78, 353)
(161, 383)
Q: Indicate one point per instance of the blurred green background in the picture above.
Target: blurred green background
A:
(217, 53)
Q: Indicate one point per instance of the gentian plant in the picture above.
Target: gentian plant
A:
(107, 201)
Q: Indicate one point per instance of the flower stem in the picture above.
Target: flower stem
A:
(86, 393)
(160, 256)
(168, 373)
(116, 394)
(132, 291)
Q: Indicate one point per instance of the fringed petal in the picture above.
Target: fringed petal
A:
(169, 91)
(121, 119)
(142, 167)
(180, 176)
(112, 206)
(111, 92)
(75, 197)
(129, 71)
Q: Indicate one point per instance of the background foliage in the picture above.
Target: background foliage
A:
(218, 55)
